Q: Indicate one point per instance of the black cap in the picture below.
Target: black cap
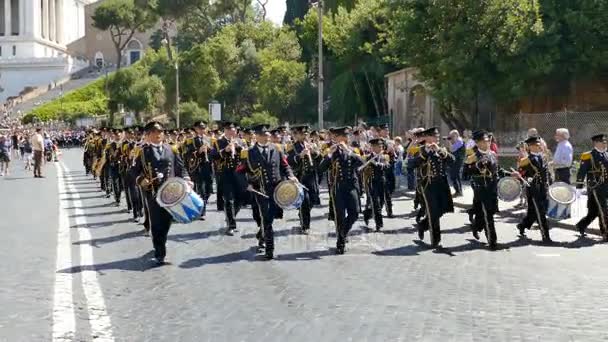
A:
(419, 134)
(153, 126)
(535, 139)
(599, 138)
(276, 131)
(300, 129)
(260, 129)
(282, 128)
(248, 130)
(384, 126)
(481, 135)
(377, 141)
(430, 132)
(340, 130)
(227, 124)
(199, 124)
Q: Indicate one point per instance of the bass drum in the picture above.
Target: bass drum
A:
(176, 196)
(289, 194)
(561, 196)
(509, 189)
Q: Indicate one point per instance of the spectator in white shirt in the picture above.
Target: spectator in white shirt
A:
(562, 159)
(38, 148)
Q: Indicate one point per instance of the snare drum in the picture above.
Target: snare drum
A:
(509, 189)
(176, 196)
(561, 196)
(289, 194)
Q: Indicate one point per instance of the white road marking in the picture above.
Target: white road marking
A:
(64, 319)
(546, 255)
(101, 327)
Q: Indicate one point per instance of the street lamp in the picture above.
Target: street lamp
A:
(319, 4)
(177, 114)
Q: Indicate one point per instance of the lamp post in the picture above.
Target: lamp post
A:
(177, 115)
(320, 64)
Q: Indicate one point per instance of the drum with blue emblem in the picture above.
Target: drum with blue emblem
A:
(561, 196)
(289, 194)
(177, 197)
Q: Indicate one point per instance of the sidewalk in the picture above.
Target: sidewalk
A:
(509, 209)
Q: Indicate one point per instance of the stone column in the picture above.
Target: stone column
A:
(60, 38)
(52, 21)
(8, 30)
(45, 19)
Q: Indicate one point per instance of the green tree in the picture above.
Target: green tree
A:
(122, 19)
(190, 112)
(263, 117)
(146, 95)
(279, 83)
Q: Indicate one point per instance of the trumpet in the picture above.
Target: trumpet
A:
(369, 162)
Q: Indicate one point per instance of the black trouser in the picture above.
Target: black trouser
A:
(267, 210)
(204, 187)
(562, 175)
(133, 195)
(304, 211)
(373, 207)
(485, 201)
(346, 212)
(232, 206)
(455, 177)
(146, 210)
(537, 212)
(116, 182)
(596, 208)
(220, 192)
(160, 223)
(389, 188)
(431, 202)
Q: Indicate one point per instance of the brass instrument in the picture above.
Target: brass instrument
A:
(369, 162)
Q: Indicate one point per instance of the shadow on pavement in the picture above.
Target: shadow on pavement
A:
(101, 224)
(92, 206)
(102, 241)
(140, 264)
(105, 213)
(245, 255)
(83, 198)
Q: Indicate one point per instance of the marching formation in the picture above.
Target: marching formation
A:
(168, 176)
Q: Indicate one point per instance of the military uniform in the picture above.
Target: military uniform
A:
(483, 170)
(228, 180)
(199, 165)
(594, 169)
(306, 171)
(266, 166)
(375, 184)
(152, 161)
(535, 170)
(433, 186)
(342, 165)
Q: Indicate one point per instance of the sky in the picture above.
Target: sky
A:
(275, 11)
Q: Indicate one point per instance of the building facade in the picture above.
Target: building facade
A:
(34, 35)
(97, 46)
(410, 102)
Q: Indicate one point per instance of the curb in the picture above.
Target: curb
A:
(552, 223)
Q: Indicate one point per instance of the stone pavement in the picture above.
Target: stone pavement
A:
(511, 209)
(389, 286)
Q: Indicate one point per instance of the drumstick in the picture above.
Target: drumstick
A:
(520, 177)
(258, 193)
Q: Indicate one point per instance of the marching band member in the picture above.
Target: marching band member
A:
(303, 159)
(432, 162)
(594, 169)
(113, 165)
(342, 163)
(154, 164)
(482, 168)
(266, 166)
(124, 150)
(131, 188)
(391, 180)
(534, 169)
(375, 182)
(200, 168)
(227, 152)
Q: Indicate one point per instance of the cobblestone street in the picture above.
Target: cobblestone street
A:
(389, 286)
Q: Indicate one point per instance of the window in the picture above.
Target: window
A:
(14, 50)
